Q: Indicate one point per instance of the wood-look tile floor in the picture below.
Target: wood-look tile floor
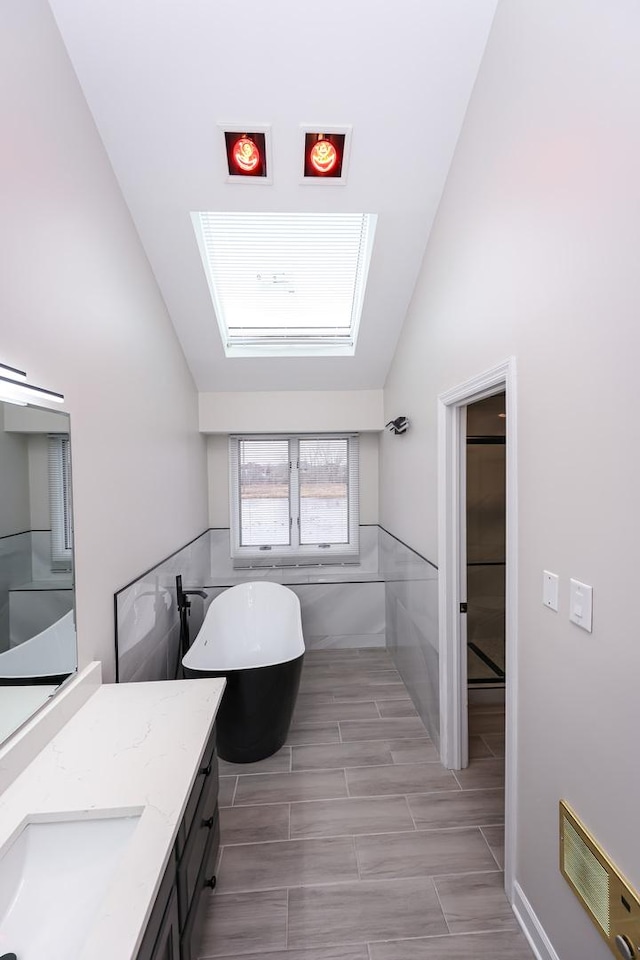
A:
(353, 842)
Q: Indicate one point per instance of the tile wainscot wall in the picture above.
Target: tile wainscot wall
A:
(388, 599)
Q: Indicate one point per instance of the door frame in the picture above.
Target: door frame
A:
(452, 406)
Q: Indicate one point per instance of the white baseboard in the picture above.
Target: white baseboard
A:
(531, 926)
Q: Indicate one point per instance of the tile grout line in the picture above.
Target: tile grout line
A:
(500, 866)
(456, 779)
(349, 796)
(400, 740)
(488, 746)
(355, 854)
(346, 783)
(366, 880)
(381, 796)
(444, 916)
(386, 765)
(286, 923)
(408, 805)
(371, 834)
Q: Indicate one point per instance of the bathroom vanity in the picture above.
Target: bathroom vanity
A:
(175, 925)
(142, 754)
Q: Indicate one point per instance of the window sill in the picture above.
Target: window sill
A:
(278, 563)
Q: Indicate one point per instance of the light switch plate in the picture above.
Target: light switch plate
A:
(550, 590)
(580, 604)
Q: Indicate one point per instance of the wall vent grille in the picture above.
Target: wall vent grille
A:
(611, 902)
(588, 876)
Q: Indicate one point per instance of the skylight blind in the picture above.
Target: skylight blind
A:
(263, 472)
(286, 276)
(60, 501)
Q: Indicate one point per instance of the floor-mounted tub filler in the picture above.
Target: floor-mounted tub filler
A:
(252, 635)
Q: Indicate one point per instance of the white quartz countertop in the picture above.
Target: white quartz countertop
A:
(131, 749)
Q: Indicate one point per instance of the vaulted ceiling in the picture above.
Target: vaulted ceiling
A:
(160, 75)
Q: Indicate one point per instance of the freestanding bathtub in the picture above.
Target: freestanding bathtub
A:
(252, 635)
(49, 657)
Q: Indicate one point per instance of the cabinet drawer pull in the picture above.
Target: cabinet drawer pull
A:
(205, 823)
(206, 770)
(211, 882)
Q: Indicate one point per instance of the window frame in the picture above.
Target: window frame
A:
(295, 553)
(60, 502)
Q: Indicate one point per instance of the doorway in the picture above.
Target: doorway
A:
(485, 549)
(492, 544)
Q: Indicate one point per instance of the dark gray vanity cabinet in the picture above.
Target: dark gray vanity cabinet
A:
(162, 936)
(167, 945)
(175, 926)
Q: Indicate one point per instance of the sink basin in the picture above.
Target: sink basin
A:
(53, 877)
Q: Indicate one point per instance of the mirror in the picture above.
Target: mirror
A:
(37, 615)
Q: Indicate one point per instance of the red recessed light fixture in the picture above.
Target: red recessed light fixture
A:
(246, 153)
(323, 155)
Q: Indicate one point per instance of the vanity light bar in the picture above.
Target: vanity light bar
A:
(8, 385)
(19, 373)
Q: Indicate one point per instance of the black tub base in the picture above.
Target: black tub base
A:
(257, 706)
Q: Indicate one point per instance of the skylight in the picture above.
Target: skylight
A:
(286, 284)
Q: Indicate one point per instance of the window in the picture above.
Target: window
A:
(294, 499)
(60, 502)
(286, 284)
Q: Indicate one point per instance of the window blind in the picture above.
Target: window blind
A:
(324, 491)
(264, 496)
(60, 502)
(291, 277)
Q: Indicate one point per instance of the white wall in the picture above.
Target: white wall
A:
(82, 314)
(218, 474)
(218, 479)
(290, 411)
(369, 477)
(535, 254)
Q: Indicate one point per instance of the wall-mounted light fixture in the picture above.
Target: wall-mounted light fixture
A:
(20, 392)
(248, 152)
(398, 426)
(325, 153)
